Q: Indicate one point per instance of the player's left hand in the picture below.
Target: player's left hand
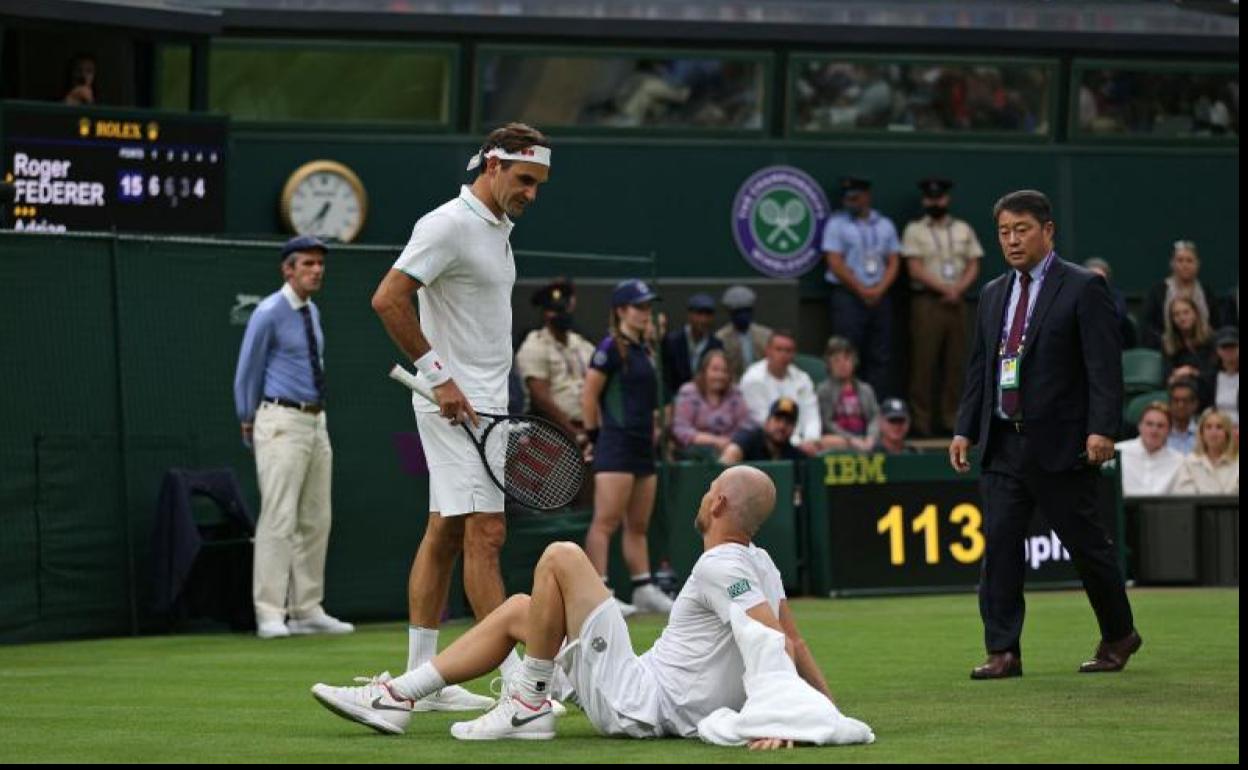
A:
(769, 744)
(1100, 449)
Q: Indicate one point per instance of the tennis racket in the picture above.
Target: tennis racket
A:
(541, 466)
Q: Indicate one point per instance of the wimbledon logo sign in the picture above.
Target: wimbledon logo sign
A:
(777, 219)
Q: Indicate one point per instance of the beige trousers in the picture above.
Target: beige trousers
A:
(293, 465)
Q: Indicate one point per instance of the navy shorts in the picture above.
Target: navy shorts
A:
(619, 452)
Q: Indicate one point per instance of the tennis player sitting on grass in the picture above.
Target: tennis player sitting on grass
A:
(695, 667)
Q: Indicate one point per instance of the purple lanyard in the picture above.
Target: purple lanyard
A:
(1005, 330)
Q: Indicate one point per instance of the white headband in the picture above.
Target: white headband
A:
(534, 154)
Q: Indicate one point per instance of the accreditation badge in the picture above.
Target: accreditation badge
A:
(949, 270)
(1009, 373)
(872, 266)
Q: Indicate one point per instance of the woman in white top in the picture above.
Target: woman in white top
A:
(1213, 469)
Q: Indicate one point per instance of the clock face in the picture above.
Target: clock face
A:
(326, 200)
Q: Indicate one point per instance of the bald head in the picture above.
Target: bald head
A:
(749, 494)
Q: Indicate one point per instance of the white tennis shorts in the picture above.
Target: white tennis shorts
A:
(616, 690)
(458, 483)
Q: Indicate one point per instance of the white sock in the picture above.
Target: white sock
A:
(533, 684)
(511, 665)
(417, 683)
(422, 645)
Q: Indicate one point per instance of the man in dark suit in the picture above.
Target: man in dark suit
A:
(683, 348)
(1043, 397)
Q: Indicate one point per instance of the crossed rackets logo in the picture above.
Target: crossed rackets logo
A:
(783, 221)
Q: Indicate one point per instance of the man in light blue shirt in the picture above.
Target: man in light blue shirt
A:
(862, 252)
(279, 395)
(1184, 403)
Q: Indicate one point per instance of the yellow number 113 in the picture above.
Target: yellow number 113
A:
(928, 523)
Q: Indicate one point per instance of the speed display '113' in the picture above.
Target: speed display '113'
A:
(76, 169)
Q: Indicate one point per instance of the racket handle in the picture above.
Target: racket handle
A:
(404, 377)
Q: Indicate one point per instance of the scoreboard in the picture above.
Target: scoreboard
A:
(79, 168)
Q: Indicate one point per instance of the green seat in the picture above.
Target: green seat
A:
(1141, 370)
(1134, 409)
(812, 365)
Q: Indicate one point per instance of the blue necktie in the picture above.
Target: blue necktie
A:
(318, 376)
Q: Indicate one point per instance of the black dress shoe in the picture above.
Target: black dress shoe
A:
(1000, 665)
(1112, 656)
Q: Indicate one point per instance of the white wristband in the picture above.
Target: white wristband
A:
(432, 368)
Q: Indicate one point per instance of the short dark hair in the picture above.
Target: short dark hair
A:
(1185, 382)
(1031, 202)
(782, 333)
(512, 137)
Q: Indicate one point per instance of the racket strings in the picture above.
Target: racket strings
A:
(544, 468)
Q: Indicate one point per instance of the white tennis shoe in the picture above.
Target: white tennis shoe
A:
(453, 698)
(511, 719)
(649, 598)
(372, 703)
(321, 623)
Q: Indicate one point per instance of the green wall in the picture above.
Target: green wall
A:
(673, 197)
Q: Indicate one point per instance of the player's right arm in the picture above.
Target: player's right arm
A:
(393, 304)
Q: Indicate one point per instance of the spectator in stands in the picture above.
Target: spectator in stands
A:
(684, 348)
(894, 427)
(1184, 400)
(554, 360)
(775, 377)
(773, 441)
(847, 405)
(81, 87)
(710, 410)
(1222, 379)
(943, 258)
(743, 339)
(862, 252)
(1126, 328)
(1148, 464)
(1187, 343)
(1213, 469)
(1183, 281)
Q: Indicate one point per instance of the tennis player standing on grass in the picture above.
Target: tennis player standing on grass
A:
(459, 259)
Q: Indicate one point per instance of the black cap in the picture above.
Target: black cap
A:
(1227, 336)
(701, 302)
(784, 407)
(854, 184)
(555, 295)
(894, 407)
(303, 243)
(935, 186)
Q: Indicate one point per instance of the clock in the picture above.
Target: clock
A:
(326, 199)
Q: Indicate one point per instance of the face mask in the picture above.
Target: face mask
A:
(561, 321)
(936, 212)
(741, 319)
(853, 210)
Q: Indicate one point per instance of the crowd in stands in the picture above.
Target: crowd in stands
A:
(739, 393)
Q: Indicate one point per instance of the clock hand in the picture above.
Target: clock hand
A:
(321, 215)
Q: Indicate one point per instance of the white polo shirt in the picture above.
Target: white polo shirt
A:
(1147, 473)
(461, 254)
(761, 390)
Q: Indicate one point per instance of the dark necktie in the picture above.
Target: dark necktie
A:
(318, 376)
(1010, 398)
